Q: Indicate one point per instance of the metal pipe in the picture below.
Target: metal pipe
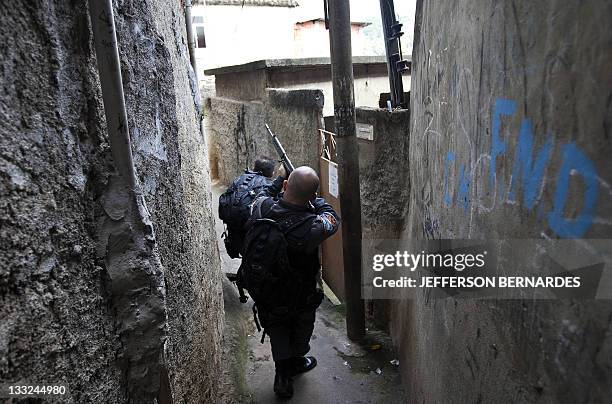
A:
(146, 378)
(348, 162)
(109, 68)
(190, 38)
(393, 50)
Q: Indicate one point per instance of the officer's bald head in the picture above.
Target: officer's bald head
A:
(302, 185)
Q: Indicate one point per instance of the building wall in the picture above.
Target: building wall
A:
(311, 39)
(384, 185)
(496, 76)
(370, 81)
(383, 170)
(237, 34)
(79, 306)
(247, 86)
(237, 134)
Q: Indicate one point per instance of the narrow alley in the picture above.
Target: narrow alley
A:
(348, 372)
(414, 195)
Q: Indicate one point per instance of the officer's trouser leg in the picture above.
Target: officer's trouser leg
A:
(291, 338)
(301, 333)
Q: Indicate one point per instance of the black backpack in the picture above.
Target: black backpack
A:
(265, 271)
(234, 208)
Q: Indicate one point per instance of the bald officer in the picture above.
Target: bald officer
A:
(308, 220)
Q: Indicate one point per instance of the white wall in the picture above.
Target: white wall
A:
(367, 91)
(236, 35)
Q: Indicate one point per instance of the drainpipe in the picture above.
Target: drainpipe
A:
(107, 52)
(126, 240)
(190, 38)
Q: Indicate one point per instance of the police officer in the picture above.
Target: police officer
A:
(289, 338)
(234, 203)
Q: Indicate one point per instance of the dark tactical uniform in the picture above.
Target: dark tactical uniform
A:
(234, 207)
(290, 336)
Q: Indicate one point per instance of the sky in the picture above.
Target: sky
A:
(369, 11)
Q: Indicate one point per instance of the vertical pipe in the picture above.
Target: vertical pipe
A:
(107, 54)
(190, 38)
(391, 34)
(348, 162)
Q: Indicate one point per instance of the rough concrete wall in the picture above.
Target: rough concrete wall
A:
(245, 86)
(383, 172)
(237, 134)
(64, 317)
(384, 185)
(172, 159)
(55, 321)
(495, 83)
(296, 117)
(232, 127)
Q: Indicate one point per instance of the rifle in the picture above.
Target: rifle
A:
(284, 159)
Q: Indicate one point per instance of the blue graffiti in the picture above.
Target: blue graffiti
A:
(533, 172)
(463, 193)
(574, 159)
(528, 173)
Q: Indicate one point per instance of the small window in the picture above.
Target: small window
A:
(201, 39)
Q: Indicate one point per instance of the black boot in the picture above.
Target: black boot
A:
(283, 383)
(303, 364)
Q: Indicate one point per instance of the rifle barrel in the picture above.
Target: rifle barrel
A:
(281, 151)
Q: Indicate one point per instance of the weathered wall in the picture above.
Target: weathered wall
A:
(64, 318)
(247, 86)
(237, 134)
(232, 127)
(181, 201)
(296, 117)
(370, 80)
(250, 81)
(384, 184)
(383, 172)
(510, 138)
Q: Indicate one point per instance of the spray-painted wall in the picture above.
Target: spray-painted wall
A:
(510, 138)
(72, 303)
(237, 133)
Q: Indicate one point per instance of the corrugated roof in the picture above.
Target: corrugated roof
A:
(260, 3)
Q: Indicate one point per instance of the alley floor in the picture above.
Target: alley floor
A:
(346, 372)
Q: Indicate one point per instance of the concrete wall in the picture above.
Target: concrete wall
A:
(370, 81)
(384, 184)
(237, 134)
(383, 171)
(247, 86)
(78, 305)
(495, 85)
(249, 81)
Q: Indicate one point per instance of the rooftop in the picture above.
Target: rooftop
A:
(290, 64)
(260, 3)
(358, 23)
